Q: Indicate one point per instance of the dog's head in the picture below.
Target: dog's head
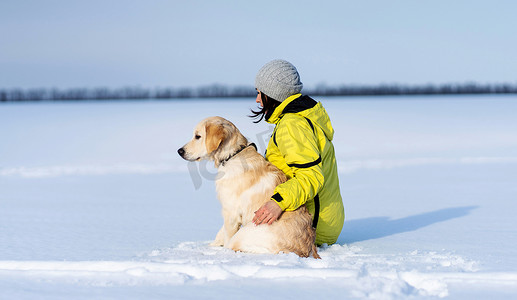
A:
(213, 137)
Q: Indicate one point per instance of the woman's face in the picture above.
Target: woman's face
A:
(259, 99)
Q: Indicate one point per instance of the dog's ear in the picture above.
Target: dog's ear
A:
(214, 136)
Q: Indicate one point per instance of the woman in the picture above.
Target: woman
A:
(301, 146)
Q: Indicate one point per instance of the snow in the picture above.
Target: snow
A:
(96, 203)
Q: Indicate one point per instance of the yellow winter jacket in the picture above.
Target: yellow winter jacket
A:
(301, 146)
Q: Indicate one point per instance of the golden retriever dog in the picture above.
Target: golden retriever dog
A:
(245, 181)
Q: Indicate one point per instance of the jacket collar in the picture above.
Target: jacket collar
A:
(306, 107)
(279, 110)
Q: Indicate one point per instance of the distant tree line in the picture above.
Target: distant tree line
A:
(428, 89)
(222, 91)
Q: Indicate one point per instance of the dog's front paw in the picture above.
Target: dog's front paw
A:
(217, 243)
(219, 238)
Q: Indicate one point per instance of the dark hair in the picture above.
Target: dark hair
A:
(269, 105)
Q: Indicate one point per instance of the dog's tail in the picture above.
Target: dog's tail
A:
(314, 252)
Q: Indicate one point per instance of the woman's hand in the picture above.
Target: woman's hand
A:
(268, 213)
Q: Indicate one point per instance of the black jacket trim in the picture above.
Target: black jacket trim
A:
(307, 165)
(316, 211)
(299, 104)
(277, 197)
(310, 124)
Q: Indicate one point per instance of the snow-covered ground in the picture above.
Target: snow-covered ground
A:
(95, 203)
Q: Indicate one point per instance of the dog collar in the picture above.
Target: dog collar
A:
(237, 152)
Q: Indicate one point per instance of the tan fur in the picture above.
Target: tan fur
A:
(214, 137)
(245, 182)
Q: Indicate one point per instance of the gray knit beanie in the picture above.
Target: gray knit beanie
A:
(278, 79)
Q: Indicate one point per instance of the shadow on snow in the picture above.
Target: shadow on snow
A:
(378, 227)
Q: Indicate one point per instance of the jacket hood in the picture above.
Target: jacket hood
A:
(306, 107)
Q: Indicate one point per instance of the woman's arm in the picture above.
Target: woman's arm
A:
(298, 145)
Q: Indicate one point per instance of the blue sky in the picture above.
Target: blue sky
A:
(191, 43)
